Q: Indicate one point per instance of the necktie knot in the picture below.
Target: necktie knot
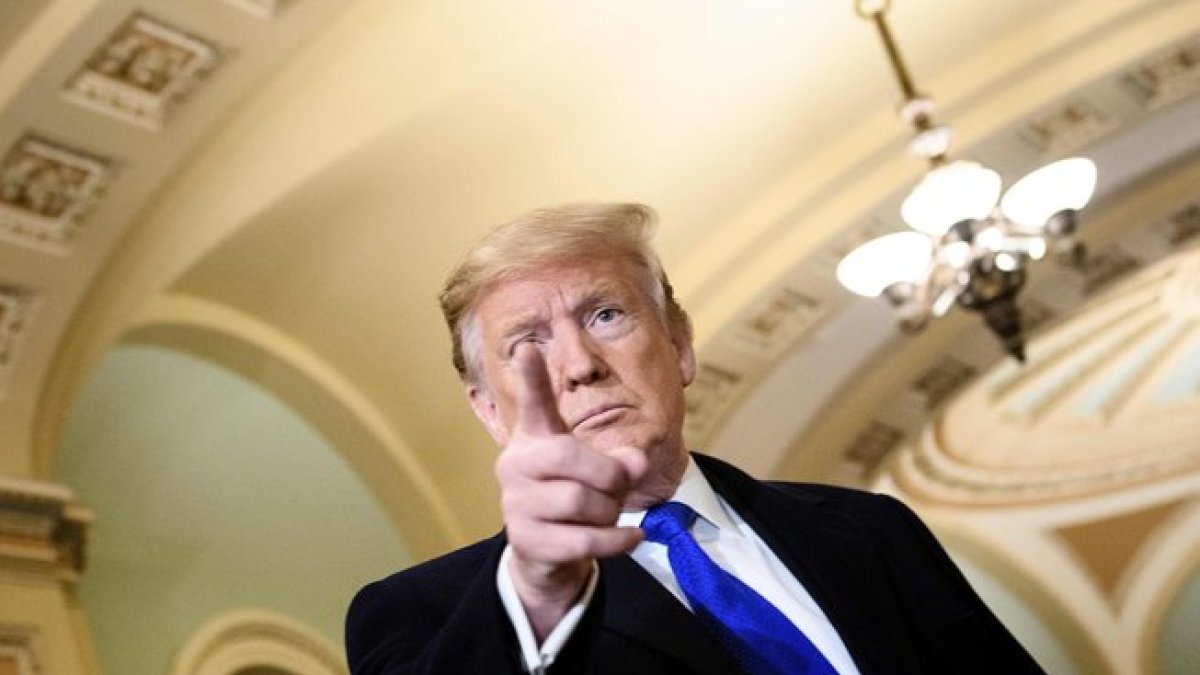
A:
(667, 520)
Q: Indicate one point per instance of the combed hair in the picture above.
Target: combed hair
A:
(546, 236)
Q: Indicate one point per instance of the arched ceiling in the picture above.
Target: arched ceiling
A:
(326, 162)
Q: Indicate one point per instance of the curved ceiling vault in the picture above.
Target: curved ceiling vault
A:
(279, 186)
(324, 164)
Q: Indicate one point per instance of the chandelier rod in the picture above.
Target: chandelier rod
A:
(916, 108)
(903, 77)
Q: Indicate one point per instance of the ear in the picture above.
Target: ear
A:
(487, 412)
(687, 358)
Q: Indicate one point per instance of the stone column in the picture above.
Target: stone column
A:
(43, 538)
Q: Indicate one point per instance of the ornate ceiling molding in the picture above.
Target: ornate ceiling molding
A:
(1167, 76)
(45, 191)
(142, 72)
(17, 305)
(1108, 399)
(43, 530)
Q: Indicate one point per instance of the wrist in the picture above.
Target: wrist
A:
(548, 591)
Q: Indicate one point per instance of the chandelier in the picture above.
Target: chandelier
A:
(967, 245)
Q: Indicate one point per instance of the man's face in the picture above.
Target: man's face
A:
(616, 372)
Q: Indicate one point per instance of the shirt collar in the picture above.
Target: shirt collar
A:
(695, 491)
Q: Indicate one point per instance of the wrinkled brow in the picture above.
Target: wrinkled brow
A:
(601, 294)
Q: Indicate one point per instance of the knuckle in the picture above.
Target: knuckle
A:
(574, 499)
(511, 502)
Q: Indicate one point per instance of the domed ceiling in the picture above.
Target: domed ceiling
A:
(279, 187)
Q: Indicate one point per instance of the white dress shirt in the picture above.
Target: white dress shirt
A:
(729, 541)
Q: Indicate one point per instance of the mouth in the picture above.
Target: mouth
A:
(599, 416)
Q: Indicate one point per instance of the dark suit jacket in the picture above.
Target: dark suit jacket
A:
(898, 602)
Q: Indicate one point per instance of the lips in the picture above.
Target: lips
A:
(599, 415)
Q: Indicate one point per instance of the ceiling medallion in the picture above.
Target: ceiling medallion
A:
(45, 190)
(1108, 400)
(144, 69)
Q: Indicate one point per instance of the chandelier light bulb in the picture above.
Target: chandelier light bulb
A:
(949, 194)
(990, 239)
(955, 254)
(1034, 247)
(943, 302)
(890, 259)
(1065, 185)
(1007, 262)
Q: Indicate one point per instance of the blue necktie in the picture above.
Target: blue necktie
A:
(758, 635)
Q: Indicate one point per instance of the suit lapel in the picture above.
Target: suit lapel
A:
(832, 557)
(639, 609)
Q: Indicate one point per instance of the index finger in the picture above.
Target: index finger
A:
(537, 410)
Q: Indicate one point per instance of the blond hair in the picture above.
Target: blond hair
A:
(541, 237)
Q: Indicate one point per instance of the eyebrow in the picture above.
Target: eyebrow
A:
(522, 326)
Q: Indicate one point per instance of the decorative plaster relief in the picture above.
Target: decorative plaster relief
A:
(144, 69)
(940, 381)
(1067, 127)
(1036, 314)
(1105, 266)
(1182, 226)
(263, 9)
(16, 307)
(868, 450)
(1168, 77)
(709, 396)
(45, 190)
(779, 322)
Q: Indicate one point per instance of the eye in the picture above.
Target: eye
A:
(609, 322)
(520, 340)
(606, 315)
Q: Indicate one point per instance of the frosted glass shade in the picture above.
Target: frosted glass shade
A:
(949, 194)
(1065, 184)
(890, 259)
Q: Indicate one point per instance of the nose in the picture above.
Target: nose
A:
(575, 359)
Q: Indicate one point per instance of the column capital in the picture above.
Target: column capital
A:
(43, 530)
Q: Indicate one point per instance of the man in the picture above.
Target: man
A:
(622, 553)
